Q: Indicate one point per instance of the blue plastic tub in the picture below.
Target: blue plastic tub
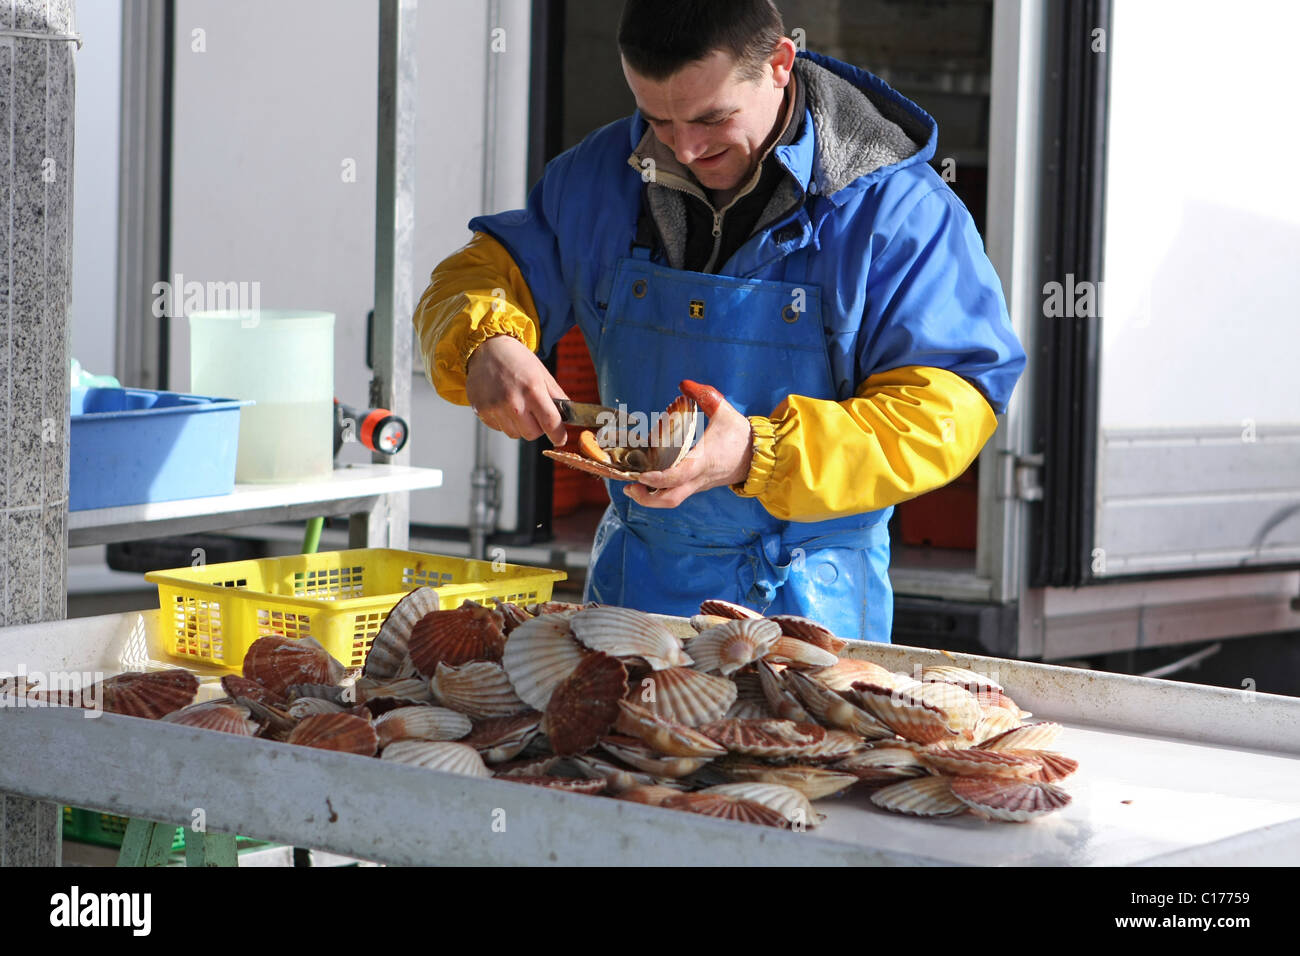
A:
(129, 446)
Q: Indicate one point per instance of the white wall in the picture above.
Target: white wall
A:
(94, 188)
(282, 95)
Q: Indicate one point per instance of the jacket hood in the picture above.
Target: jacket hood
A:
(861, 124)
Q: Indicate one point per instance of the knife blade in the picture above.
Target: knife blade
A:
(581, 413)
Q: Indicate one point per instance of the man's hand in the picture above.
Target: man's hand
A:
(510, 390)
(722, 456)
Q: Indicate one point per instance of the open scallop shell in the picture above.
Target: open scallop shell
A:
(949, 674)
(470, 632)
(367, 689)
(341, 732)
(277, 662)
(882, 765)
(652, 795)
(669, 440)
(720, 608)
(920, 797)
(993, 721)
(498, 739)
(726, 807)
(512, 615)
(787, 801)
(684, 695)
(926, 713)
(150, 695)
(622, 632)
(771, 739)
(389, 654)
(237, 686)
(421, 723)
(980, 763)
(813, 782)
(540, 654)
(841, 676)
(728, 647)
(1029, 737)
(702, 622)
(444, 756)
(479, 689)
(1015, 801)
(585, 706)
(311, 706)
(1053, 766)
(226, 717)
(616, 776)
(798, 653)
(781, 701)
(806, 629)
(633, 752)
(835, 744)
(829, 708)
(672, 739)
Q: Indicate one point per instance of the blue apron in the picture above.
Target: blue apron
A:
(745, 338)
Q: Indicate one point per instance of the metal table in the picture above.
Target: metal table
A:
(1169, 774)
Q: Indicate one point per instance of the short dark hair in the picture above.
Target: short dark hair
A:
(659, 37)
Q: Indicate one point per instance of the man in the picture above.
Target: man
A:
(765, 223)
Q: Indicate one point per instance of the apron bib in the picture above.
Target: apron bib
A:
(756, 342)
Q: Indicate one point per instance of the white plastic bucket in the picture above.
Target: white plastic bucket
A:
(284, 361)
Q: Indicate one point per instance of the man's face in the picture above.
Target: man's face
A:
(716, 124)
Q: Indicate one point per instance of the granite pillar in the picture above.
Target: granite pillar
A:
(36, 119)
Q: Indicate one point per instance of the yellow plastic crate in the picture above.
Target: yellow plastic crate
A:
(213, 613)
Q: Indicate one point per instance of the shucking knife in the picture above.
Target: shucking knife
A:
(581, 413)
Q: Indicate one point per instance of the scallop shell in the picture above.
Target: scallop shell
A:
(512, 615)
(237, 686)
(813, 782)
(834, 745)
(780, 700)
(882, 766)
(920, 797)
(228, 718)
(616, 777)
(498, 739)
(1029, 737)
(652, 795)
(276, 724)
(421, 723)
(829, 708)
(994, 721)
(728, 647)
(341, 732)
(765, 738)
(529, 767)
(622, 632)
(588, 785)
(806, 629)
(841, 676)
(948, 674)
(333, 693)
(926, 713)
(634, 752)
(276, 662)
(684, 695)
(553, 607)
(672, 739)
(150, 695)
(980, 763)
(479, 689)
(389, 654)
(444, 756)
(310, 706)
(367, 689)
(585, 706)
(674, 431)
(702, 622)
(995, 698)
(726, 807)
(787, 801)
(1053, 766)
(720, 608)
(797, 653)
(470, 632)
(1015, 801)
(540, 654)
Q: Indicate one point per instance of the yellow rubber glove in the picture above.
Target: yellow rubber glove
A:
(475, 293)
(908, 431)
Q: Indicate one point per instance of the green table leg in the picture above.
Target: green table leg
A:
(146, 843)
(210, 849)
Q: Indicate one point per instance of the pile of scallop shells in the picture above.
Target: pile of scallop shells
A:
(737, 716)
